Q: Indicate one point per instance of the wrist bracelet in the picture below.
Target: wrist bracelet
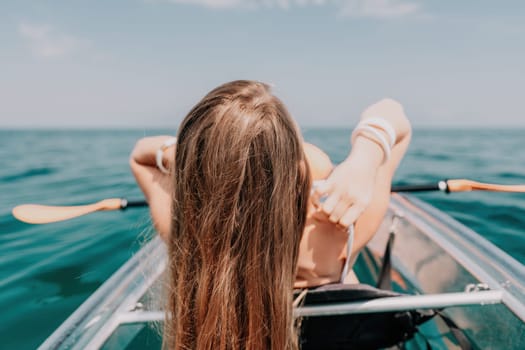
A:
(384, 125)
(160, 153)
(374, 135)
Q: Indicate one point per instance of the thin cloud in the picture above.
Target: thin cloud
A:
(216, 4)
(382, 9)
(246, 4)
(44, 41)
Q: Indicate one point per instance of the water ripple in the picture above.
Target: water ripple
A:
(28, 174)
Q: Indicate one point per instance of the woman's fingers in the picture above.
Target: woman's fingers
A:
(339, 210)
(330, 201)
(351, 215)
(322, 190)
(330, 204)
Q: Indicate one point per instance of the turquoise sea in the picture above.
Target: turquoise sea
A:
(47, 271)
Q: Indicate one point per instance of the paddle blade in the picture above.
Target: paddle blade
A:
(462, 185)
(43, 214)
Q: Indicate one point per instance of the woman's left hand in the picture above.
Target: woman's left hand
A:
(348, 190)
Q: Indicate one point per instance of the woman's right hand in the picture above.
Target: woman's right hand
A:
(145, 151)
(349, 188)
(156, 186)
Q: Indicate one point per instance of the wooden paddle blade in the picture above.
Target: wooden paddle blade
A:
(43, 214)
(462, 185)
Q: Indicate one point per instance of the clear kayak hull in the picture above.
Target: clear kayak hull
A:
(434, 254)
(442, 263)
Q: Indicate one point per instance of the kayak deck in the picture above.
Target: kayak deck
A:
(443, 263)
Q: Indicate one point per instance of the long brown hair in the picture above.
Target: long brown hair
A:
(241, 187)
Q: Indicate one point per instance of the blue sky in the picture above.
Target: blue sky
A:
(144, 63)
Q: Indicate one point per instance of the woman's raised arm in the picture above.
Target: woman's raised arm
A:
(358, 189)
(156, 185)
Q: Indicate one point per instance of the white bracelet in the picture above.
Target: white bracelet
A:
(383, 124)
(160, 153)
(375, 135)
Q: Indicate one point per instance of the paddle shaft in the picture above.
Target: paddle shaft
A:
(439, 186)
(132, 204)
(442, 186)
(401, 188)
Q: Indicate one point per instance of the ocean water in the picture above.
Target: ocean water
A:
(47, 271)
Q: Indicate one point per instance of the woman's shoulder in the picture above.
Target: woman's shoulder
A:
(320, 164)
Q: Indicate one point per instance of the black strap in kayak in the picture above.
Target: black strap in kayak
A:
(384, 282)
(461, 338)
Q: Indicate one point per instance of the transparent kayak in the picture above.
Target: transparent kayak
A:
(441, 263)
